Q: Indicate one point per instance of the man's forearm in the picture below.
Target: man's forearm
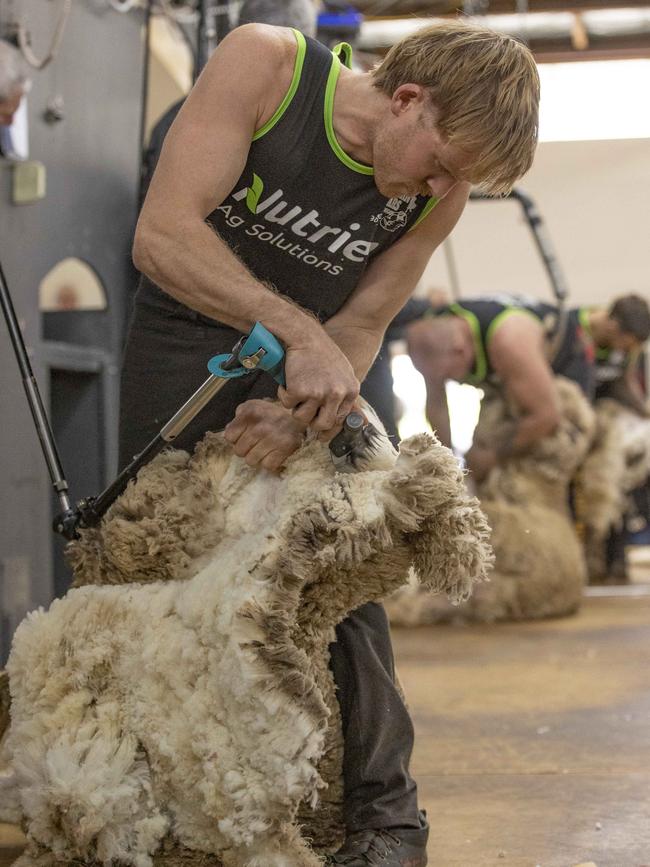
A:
(636, 397)
(359, 345)
(437, 410)
(202, 272)
(198, 269)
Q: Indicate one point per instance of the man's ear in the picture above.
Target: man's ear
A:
(406, 97)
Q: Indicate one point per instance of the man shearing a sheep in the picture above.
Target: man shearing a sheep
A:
(619, 333)
(294, 191)
(519, 344)
(515, 344)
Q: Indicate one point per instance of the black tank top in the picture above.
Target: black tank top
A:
(304, 215)
(484, 315)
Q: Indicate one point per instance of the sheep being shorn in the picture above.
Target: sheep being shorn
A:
(617, 464)
(176, 707)
(539, 568)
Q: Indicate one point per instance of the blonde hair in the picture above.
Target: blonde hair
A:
(485, 87)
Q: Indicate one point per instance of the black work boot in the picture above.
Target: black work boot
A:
(386, 847)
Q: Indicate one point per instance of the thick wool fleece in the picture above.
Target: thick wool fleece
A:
(539, 566)
(187, 711)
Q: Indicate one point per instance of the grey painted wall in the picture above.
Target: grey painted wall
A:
(593, 197)
(92, 162)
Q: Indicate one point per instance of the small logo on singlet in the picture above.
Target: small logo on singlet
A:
(396, 213)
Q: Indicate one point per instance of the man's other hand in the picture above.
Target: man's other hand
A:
(321, 384)
(265, 434)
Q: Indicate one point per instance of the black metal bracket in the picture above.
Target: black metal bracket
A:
(542, 240)
(90, 510)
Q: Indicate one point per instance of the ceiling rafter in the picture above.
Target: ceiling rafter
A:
(569, 31)
(398, 8)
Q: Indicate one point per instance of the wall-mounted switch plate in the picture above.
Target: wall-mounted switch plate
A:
(28, 182)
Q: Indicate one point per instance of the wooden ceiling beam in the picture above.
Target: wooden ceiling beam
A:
(564, 54)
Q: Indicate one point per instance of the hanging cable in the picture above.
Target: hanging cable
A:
(25, 47)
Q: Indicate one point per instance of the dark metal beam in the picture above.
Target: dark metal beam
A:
(399, 8)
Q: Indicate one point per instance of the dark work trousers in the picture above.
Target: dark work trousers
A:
(165, 361)
(377, 389)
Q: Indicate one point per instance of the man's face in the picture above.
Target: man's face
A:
(9, 107)
(460, 362)
(458, 358)
(410, 155)
(623, 341)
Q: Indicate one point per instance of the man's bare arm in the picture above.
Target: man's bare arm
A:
(635, 397)
(518, 356)
(203, 156)
(437, 410)
(359, 326)
(424, 347)
(202, 159)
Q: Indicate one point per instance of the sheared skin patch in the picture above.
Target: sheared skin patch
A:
(539, 568)
(176, 707)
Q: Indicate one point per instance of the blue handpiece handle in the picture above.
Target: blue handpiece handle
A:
(261, 347)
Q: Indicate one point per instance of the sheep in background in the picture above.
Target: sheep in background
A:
(539, 566)
(618, 463)
(186, 713)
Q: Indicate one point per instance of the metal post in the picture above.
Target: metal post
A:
(541, 238)
(34, 400)
(214, 24)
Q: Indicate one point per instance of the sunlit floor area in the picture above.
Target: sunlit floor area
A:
(533, 740)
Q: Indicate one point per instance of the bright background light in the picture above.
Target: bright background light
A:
(464, 402)
(595, 100)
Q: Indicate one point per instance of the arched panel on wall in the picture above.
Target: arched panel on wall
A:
(71, 285)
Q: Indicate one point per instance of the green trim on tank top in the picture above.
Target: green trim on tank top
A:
(328, 107)
(293, 87)
(498, 319)
(344, 52)
(480, 363)
(429, 205)
(583, 319)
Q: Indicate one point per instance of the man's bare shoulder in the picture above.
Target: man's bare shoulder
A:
(259, 46)
(256, 60)
(518, 335)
